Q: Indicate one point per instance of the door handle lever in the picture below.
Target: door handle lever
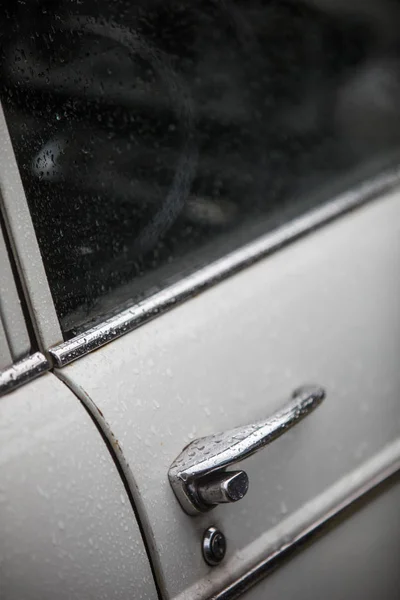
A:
(198, 476)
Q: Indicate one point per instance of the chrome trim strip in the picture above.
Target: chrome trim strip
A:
(341, 496)
(190, 286)
(22, 372)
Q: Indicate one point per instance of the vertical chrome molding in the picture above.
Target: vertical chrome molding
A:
(25, 246)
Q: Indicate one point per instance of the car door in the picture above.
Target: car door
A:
(66, 522)
(234, 145)
(231, 357)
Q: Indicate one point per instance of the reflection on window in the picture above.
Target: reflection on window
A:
(152, 137)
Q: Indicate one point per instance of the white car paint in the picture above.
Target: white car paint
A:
(323, 310)
(67, 529)
(357, 559)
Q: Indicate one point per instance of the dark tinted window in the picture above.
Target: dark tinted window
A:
(154, 136)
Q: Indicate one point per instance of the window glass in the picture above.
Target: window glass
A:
(154, 136)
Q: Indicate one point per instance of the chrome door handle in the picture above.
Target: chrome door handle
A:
(198, 475)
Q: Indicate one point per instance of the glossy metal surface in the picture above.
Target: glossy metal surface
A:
(221, 488)
(22, 372)
(210, 455)
(214, 546)
(130, 319)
